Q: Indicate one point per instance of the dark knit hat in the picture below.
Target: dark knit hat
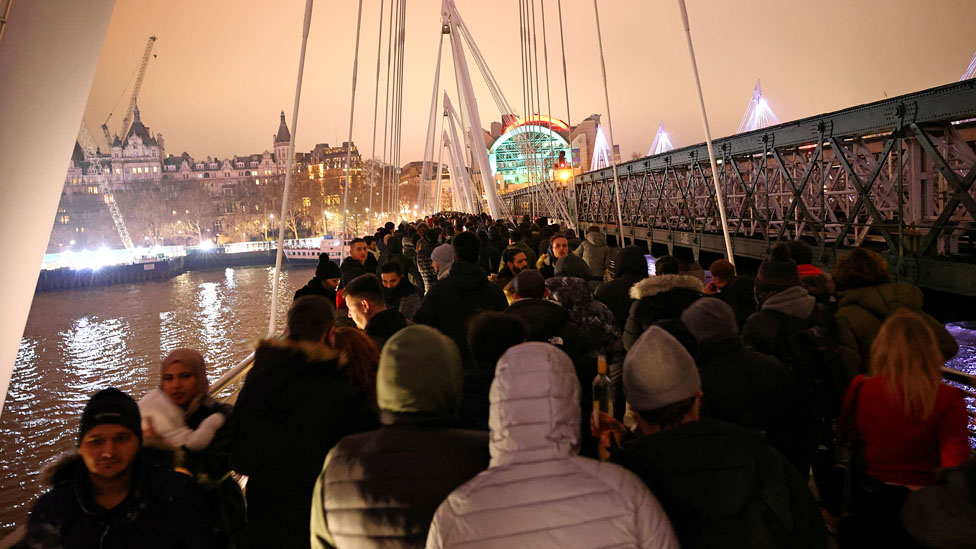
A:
(111, 406)
(573, 266)
(327, 268)
(778, 270)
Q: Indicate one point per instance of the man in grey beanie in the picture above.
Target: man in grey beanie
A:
(721, 485)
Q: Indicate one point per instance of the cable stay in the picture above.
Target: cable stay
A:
(970, 70)
(661, 143)
(758, 114)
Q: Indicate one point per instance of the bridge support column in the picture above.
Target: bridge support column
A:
(48, 56)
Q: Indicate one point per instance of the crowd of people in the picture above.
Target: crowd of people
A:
(436, 389)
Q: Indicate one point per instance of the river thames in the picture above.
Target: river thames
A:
(77, 342)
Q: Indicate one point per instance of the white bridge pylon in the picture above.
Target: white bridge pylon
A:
(758, 114)
(662, 142)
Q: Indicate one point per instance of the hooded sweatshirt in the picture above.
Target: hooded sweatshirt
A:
(381, 488)
(537, 492)
(595, 253)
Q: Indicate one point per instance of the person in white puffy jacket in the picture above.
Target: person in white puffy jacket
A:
(537, 492)
(166, 420)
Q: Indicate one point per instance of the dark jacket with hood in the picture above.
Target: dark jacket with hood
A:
(384, 324)
(753, 390)
(944, 514)
(164, 509)
(591, 315)
(316, 286)
(862, 311)
(659, 298)
(404, 297)
(595, 253)
(296, 404)
(381, 488)
(351, 268)
(631, 268)
(722, 486)
(453, 300)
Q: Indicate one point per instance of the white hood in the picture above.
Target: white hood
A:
(535, 411)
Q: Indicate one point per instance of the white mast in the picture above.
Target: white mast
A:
(452, 19)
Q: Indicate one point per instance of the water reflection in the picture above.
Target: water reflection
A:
(80, 341)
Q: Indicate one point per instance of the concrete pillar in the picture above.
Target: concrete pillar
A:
(48, 54)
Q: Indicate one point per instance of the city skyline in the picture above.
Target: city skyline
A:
(246, 66)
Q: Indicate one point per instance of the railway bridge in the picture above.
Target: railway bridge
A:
(895, 175)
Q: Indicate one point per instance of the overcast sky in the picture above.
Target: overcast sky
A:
(225, 69)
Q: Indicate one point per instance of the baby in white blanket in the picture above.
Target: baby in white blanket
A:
(166, 419)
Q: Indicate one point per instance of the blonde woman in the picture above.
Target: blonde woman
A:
(903, 421)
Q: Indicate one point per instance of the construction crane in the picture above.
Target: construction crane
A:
(87, 142)
(135, 94)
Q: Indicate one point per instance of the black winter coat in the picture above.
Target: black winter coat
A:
(381, 488)
(164, 510)
(630, 267)
(451, 303)
(350, 268)
(660, 297)
(383, 325)
(722, 486)
(211, 467)
(315, 287)
(753, 390)
(296, 404)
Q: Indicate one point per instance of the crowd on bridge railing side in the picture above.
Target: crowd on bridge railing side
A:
(436, 390)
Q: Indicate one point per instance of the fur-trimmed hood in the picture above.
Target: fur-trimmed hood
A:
(65, 467)
(663, 283)
(314, 351)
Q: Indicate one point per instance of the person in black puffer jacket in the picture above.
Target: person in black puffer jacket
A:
(463, 292)
(160, 508)
(629, 269)
(381, 488)
(296, 404)
(660, 297)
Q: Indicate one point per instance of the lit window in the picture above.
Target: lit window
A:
(306, 201)
(155, 169)
(199, 176)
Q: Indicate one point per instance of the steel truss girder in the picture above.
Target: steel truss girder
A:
(896, 174)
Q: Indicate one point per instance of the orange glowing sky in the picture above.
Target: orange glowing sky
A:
(224, 70)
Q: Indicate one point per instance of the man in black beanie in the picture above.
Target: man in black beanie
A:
(113, 493)
(325, 282)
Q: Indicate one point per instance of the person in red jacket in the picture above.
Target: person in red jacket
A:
(906, 423)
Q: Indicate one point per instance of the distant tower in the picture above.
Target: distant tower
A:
(758, 114)
(662, 142)
(281, 141)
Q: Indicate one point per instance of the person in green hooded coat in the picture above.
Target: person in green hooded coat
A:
(866, 297)
(381, 488)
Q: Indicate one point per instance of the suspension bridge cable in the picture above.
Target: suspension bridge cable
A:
(431, 132)
(399, 117)
(719, 198)
(352, 112)
(386, 110)
(562, 45)
(545, 58)
(606, 96)
(376, 98)
(273, 322)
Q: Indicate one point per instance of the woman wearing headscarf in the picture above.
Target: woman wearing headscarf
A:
(181, 416)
